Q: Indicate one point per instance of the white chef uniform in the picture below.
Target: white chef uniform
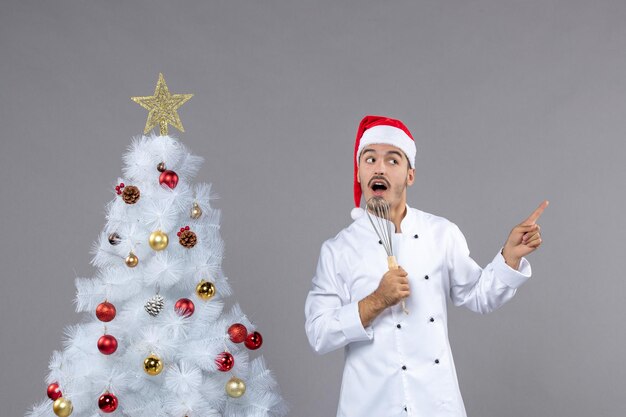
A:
(401, 365)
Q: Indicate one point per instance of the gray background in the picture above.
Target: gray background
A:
(510, 102)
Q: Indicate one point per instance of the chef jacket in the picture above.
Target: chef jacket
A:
(401, 365)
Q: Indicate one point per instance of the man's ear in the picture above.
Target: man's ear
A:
(358, 175)
(410, 176)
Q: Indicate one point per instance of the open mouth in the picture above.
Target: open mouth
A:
(379, 185)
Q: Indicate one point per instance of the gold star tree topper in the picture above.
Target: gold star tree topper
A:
(162, 107)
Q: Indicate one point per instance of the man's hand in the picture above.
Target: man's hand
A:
(393, 288)
(524, 238)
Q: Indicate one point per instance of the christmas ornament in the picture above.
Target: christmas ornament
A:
(153, 365)
(107, 344)
(107, 402)
(196, 211)
(131, 194)
(235, 387)
(169, 178)
(114, 239)
(119, 188)
(205, 290)
(54, 392)
(161, 167)
(237, 333)
(162, 107)
(62, 407)
(184, 307)
(105, 311)
(131, 260)
(187, 238)
(154, 305)
(225, 361)
(254, 341)
(158, 240)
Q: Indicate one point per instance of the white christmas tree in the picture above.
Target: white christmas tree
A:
(156, 340)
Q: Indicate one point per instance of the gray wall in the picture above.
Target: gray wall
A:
(510, 102)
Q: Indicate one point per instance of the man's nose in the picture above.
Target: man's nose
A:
(379, 167)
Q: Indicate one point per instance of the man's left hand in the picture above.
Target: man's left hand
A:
(524, 238)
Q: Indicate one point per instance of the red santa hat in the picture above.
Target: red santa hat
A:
(380, 130)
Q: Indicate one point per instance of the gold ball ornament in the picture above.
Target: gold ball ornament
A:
(153, 365)
(205, 290)
(235, 387)
(196, 211)
(158, 240)
(132, 260)
(62, 407)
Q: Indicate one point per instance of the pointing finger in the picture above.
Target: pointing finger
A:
(535, 215)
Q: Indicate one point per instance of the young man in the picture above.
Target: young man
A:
(399, 364)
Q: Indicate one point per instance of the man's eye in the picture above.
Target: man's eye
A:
(393, 161)
(369, 160)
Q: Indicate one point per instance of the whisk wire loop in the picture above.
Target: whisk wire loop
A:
(378, 214)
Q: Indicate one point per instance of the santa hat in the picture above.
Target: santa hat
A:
(380, 130)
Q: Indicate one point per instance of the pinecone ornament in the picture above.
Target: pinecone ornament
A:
(131, 194)
(114, 239)
(154, 305)
(187, 238)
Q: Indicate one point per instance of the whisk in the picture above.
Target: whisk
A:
(378, 213)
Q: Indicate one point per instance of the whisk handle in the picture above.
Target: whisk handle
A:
(393, 264)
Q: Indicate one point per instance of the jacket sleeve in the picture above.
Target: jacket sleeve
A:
(332, 318)
(480, 290)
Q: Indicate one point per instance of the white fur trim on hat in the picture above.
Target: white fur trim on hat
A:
(389, 135)
(356, 212)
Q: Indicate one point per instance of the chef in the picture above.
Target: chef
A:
(399, 363)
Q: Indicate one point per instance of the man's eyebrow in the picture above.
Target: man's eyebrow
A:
(395, 153)
(392, 152)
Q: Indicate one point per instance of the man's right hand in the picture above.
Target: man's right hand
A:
(393, 288)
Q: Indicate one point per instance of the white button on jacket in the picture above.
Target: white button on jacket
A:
(401, 365)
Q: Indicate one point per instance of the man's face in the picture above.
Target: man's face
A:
(384, 172)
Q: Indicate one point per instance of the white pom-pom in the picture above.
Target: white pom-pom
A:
(356, 213)
(183, 379)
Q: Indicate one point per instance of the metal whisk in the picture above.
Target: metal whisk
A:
(378, 213)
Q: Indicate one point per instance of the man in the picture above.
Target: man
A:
(399, 363)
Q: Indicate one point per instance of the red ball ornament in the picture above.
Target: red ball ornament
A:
(237, 333)
(184, 307)
(225, 361)
(105, 311)
(254, 341)
(107, 402)
(54, 391)
(169, 178)
(107, 344)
